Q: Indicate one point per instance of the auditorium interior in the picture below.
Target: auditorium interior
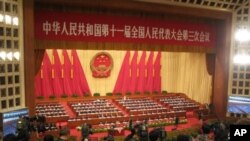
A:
(147, 70)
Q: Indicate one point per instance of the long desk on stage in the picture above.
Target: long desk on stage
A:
(95, 121)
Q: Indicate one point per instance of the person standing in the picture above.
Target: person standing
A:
(176, 121)
(86, 130)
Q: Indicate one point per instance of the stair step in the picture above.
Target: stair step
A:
(68, 110)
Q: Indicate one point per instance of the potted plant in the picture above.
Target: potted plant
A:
(118, 94)
(155, 92)
(128, 93)
(64, 96)
(52, 96)
(86, 94)
(75, 95)
(137, 93)
(109, 94)
(164, 92)
(40, 97)
(96, 94)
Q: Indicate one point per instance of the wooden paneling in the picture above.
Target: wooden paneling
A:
(45, 44)
(220, 87)
(133, 6)
(29, 66)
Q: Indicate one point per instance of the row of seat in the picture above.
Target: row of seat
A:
(103, 109)
(51, 110)
(95, 107)
(179, 102)
(139, 106)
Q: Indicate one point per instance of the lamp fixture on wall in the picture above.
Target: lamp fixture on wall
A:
(242, 35)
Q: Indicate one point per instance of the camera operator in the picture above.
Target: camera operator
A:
(158, 134)
(163, 134)
(143, 131)
(131, 127)
(110, 136)
(22, 131)
(86, 130)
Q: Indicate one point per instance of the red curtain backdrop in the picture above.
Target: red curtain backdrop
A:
(157, 73)
(56, 75)
(43, 78)
(80, 86)
(123, 76)
(149, 73)
(141, 75)
(67, 74)
(133, 73)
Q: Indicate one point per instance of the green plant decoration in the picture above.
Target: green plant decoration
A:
(137, 93)
(109, 94)
(75, 95)
(96, 94)
(64, 96)
(52, 96)
(164, 92)
(40, 97)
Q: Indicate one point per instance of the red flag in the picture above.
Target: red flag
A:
(133, 73)
(141, 77)
(157, 73)
(124, 72)
(80, 86)
(56, 74)
(46, 87)
(38, 84)
(66, 74)
(149, 75)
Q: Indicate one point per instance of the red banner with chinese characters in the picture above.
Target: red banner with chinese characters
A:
(104, 28)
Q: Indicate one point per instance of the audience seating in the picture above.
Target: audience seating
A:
(119, 110)
(179, 102)
(53, 112)
(100, 108)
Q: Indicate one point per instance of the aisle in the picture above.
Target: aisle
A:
(67, 109)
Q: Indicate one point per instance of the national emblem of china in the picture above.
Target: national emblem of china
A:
(101, 65)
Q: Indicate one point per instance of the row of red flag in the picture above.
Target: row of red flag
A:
(67, 77)
(61, 78)
(142, 77)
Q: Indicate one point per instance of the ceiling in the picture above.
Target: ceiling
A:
(227, 5)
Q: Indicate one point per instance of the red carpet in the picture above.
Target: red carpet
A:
(120, 108)
(68, 110)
